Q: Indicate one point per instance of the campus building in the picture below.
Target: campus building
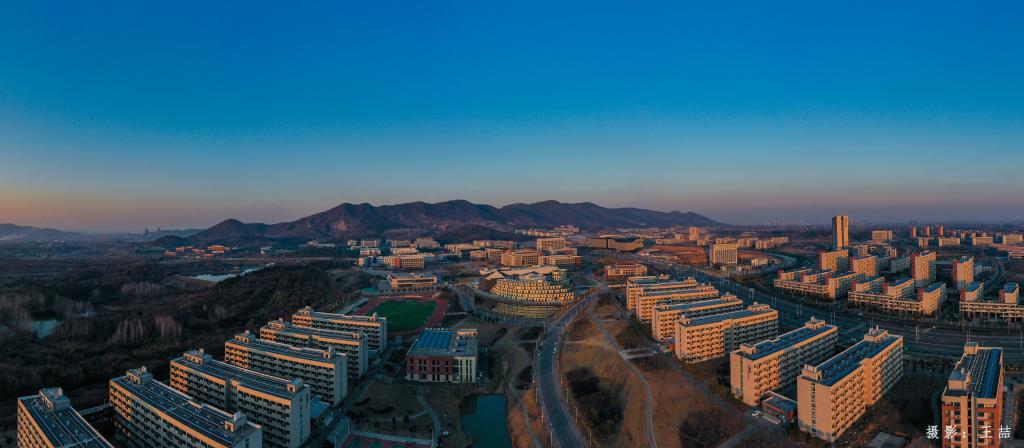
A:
(440, 355)
(643, 293)
(280, 406)
(922, 268)
(963, 272)
(831, 396)
(520, 257)
(561, 261)
(809, 282)
(534, 284)
(866, 265)
(619, 244)
(411, 282)
(323, 370)
(723, 253)
(1007, 307)
(972, 402)
(665, 316)
(353, 345)
(716, 335)
(900, 297)
(551, 243)
(881, 236)
(151, 414)
(836, 260)
(47, 420)
(406, 262)
(619, 272)
(767, 365)
(373, 328)
(840, 231)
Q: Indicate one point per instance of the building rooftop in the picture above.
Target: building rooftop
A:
(973, 286)
(308, 311)
(812, 329)
(249, 340)
(977, 371)
(841, 365)
(408, 275)
(752, 310)
(683, 306)
(442, 342)
(209, 421)
(934, 287)
(60, 423)
(272, 385)
(1010, 287)
(287, 327)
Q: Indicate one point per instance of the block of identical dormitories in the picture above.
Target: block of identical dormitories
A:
(150, 414)
(714, 336)
(347, 342)
(666, 314)
(47, 420)
(758, 368)
(281, 406)
(374, 327)
(325, 371)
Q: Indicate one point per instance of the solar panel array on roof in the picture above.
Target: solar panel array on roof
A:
(434, 340)
(765, 348)
(251, 379)
(725, 316)
(63, 427)
(841, 365)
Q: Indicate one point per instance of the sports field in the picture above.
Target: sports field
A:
(404, 315)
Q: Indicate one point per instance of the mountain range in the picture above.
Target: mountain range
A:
(446, 220)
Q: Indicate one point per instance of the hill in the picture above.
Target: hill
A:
(445, 219)
(14, 233)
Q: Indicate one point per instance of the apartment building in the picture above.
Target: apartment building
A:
(551, 243)
(972, 402)
(1011, 238)
(665, 316)
(561, 261)
(47, 420)
(405, 262)
(534, 284)
(825, 284)
(723, 253)
(835, 260)
(899, 264)
(325, 371)
(716, 335)
(1006, 306)
(901, 298)
(150, 414)
(840, 231)
(755, 369)
(922, 268)
(411, 282)
(831, 396)
(619, 272)
(373, 328)
(280, 406)
(440, 355)
(495, 244)
(864, 264)
(643, 293)
(520, 257)
(352, 344)
(881, 236)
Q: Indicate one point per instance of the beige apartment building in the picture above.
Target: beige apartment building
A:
(972, 402)
(551, 243)
(864, 264)
(520, 258)
(963, 272)
(665, 316)
(716, 335)
(1007, 307)
(280, 406)
(151, 414)
(353, 345)
(561, 261)
(643, 293)
(840, 231)
(922, 268)
(47, 420)
(831, 396)
(618, 272)
(723, 253)
(374, 328)
(902, 298)
(755, 369)
(825, 284)
(533, 284)
(325, 371)
(835, 260)
(881, 236)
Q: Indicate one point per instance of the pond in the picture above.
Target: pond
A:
(43, 328)
(220, 277)
(485, 420)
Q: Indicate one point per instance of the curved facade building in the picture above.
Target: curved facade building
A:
(537, 284)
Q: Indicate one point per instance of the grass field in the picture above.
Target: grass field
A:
(404, 315)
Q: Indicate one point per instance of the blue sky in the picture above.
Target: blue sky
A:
(124, 115)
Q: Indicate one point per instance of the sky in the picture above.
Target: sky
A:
(125, 115)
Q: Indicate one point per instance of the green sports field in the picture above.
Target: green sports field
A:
(404, 315)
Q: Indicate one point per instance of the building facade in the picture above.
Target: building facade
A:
(280, 406)
(833, 395)
(716, 335)
(150, 414)
(972, 402)
(840, 232)
(325, 371)
(644, 293)
(353, 345)
(922, 268)
(723, 253)
(411, 282)
(755, 369)
(534, 284)
(374, 328)
(665, 316)
(445, 356)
